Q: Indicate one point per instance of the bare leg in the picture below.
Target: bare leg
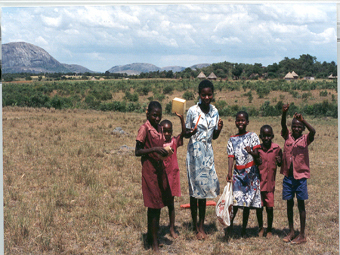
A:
(270, 217)
(245, 220)
(153, 225)
(301, 238)
(259, 215)
(193, 210)
(290, 215)
(230, 229)
(171, 208)
(202, 208)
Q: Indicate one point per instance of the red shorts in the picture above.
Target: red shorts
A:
(267, 199)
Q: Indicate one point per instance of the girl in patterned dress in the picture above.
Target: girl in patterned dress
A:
(242, 148)
(202, 178)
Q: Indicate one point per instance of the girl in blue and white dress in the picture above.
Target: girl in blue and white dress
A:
(242, 148)
(202, 178)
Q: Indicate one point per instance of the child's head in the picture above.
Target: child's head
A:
(266, 135)
(154, 113)
(242, 121)
(206, 91)
(297, 128)
(167, 129)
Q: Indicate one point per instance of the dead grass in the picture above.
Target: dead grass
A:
(70, 189)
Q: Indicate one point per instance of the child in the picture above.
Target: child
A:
(295, 168)
(202, 178)
(270, 156)
(242, 148)
(155, 186)
(171, 166)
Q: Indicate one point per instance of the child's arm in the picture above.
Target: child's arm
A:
(311, 130)
(254, 153)
(217, 131)
(279, 158)
(284, 130)
(230, 169)
(184, 130)
(140, 151)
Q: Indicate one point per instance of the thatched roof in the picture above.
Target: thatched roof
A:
(212, 76)
(289, 75)
(201, 76)
(295, 74)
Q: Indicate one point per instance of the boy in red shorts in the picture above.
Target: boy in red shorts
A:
(295, 168)
(270, 157)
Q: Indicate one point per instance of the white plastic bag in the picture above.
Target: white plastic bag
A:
(224, 207)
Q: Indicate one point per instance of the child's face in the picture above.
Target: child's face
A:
(241, 123)
(297, 128)
(206, 96)
(167, 131)
(155, 116)
(267, 137)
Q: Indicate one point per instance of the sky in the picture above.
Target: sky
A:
(100, 37)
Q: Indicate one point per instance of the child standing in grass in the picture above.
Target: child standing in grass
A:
(155, 186)
(243, 148)
(270, 157)
(202, 118)
(296, 171)
(171, 166)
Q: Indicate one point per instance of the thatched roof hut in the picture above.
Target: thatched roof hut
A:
(295, 75)
(289, 76)
(201, 76)
(212, 76)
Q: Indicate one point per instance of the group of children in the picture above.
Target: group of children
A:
(251, 166)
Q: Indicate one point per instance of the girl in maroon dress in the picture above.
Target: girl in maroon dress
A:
(155, 185)
(171, 166)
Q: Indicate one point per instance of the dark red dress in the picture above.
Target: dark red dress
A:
(171, 166)
(155, 185)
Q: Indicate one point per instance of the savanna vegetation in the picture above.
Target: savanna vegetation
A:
(73, 186)
(259, 97)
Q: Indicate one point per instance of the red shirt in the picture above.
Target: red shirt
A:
(296, 152)
(268, 167)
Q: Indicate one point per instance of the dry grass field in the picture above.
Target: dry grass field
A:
(71, 188)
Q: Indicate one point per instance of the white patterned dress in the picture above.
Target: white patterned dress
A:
(246, 177)
(202, 177)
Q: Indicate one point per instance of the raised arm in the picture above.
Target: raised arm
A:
(284, 129)
(182, 124)
(217, 131)
(311, 130)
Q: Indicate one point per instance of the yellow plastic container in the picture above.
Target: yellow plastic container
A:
(178, 105)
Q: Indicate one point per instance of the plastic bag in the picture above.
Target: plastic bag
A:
(224, 207)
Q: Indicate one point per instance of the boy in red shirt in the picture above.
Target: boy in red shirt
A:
(270, 157)
(295, 168)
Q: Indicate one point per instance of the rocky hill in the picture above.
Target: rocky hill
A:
(20, 57)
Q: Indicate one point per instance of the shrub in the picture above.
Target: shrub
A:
(323, 93)
(188, 95)
(168, 89)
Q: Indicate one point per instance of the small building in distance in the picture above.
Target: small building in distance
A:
(212, 76)
(332, 77)
(289, 77)
(295, 75)
(311, 78)
(201, 76)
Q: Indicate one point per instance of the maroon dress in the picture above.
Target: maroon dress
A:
(171, 166)
(155, 185)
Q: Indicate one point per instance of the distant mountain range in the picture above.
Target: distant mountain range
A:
(19, 57)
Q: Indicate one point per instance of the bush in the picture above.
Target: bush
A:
(188, 95)
(323, 93)
(168, 89)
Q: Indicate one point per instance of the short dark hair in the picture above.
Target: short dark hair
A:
(205, 84)
(154, 105)
(266, 127)
(163, 122)
(244, 113)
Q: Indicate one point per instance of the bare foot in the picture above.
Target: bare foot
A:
(261, 232)
(299, 240)
(288, 237)
(173, 233)
(199, 236)
(269, 234)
